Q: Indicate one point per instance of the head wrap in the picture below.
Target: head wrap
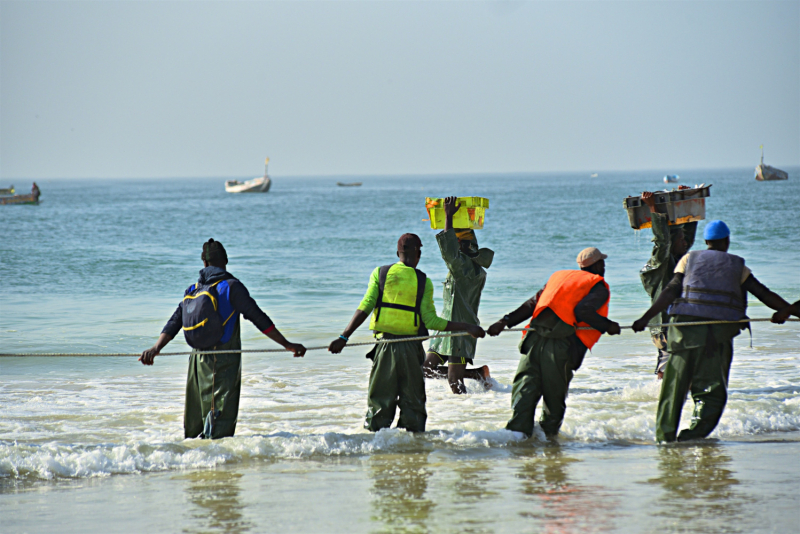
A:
(465, 234)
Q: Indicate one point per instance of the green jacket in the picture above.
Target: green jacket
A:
(462, 292)
(660, 268)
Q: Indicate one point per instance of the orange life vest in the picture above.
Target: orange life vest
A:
(563, 291)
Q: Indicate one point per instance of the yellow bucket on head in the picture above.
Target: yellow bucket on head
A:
(470, 214)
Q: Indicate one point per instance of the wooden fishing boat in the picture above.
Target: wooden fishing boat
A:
(348, 184)
(671, 178)
(765, 173)
(32, 198)
(260, 184)
(20, 199)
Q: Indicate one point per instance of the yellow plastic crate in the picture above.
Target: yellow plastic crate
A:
(470, 214)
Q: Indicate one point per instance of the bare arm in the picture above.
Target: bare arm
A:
(665, 298)
(357, 320)
(150, 354)
(298, 349)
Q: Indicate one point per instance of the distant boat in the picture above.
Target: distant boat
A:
(671, 178)
(348, 184)
(593, 175)
(766, 173)
(32, 198)
(6, 191)
(256, 185)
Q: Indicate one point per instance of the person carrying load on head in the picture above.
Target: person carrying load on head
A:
(553, 347)
(670, 245)
(400, 299)
(209, 316)
(708, 285)
(466, 266)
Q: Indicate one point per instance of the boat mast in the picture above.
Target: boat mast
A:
(266, 164)
(762, 154)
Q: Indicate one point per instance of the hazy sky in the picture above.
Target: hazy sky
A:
(147, 89)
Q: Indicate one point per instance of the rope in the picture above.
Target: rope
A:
(325, 347)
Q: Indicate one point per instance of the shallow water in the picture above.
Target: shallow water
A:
(100, 265)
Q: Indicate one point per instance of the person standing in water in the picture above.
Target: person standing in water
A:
(708, 285)
(670, 245)
(466, 266)
(214, 381)
(400, 299)
(552, 347)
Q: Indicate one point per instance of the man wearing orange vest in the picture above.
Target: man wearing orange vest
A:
(553, 348)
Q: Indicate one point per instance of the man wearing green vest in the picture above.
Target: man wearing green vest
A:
(400, 299)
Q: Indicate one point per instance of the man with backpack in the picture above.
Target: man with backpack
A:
(209, 316)
(400, 299)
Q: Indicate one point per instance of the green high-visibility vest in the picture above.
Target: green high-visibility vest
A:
(398, 308)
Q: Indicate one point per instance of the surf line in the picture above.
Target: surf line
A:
(363, 344)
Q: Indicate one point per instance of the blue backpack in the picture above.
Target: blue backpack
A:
(206, 312)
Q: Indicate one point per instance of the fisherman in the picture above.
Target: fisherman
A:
(553, 348)
(35, 192)
(708, 285)
(466, 265)
(215, 380)
(671, 243)
(400, 298)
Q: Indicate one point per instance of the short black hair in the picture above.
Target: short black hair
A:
(214, 253)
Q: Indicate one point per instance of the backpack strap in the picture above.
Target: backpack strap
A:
(422, 279)
(381, 285)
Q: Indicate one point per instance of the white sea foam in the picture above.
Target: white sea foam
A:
(54, 460)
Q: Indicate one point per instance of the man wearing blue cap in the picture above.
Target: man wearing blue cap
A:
(708, 285)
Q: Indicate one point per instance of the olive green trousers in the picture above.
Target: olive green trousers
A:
(703, 371)
(544, 372)
(213, 379)
(396, 381)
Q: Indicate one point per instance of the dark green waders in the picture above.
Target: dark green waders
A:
(702, 368)
(217, 379)
(544, 371)
(396, 381)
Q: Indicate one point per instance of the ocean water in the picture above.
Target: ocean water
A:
(96, 443)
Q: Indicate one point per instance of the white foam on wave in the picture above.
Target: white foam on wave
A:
(58, 460)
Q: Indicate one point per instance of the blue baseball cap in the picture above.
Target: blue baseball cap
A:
(716, 230)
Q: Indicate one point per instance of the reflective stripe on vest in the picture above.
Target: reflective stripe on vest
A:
(398, 307)
(712, 287)
(563, 291)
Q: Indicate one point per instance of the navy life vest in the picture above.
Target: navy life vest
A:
(208, 316)
(712, 287)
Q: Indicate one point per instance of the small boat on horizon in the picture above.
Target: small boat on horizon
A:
(5, 191)
(593, 175)
(259, 184)
(765, 173)
(348, 184)
(671, 178)
(32, 198)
